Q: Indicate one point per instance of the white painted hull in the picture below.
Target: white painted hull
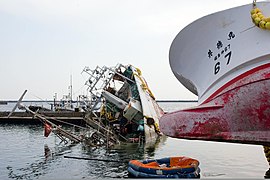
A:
(150, 107)
(216, 48)
(225, 60)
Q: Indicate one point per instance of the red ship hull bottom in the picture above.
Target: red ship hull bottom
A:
(238, 112)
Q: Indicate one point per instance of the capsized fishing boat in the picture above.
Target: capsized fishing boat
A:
(224, 58)
(127, 107)
(123, 110)
(171, 167)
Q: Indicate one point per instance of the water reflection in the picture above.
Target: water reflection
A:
(123, 153)
(32, 170)
(52, 156)
(26, 154)
(47, 152)
(41, 166)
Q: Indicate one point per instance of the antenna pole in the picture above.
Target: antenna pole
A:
(71, 88)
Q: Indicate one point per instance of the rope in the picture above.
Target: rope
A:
(63, 122)
(144, 85)
(43, 100)
(254, 3)
(267, 153)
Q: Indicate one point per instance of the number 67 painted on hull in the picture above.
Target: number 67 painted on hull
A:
(225, 60)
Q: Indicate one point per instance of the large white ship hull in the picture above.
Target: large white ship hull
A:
(225, 60)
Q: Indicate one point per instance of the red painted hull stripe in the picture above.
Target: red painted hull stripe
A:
(236, 79)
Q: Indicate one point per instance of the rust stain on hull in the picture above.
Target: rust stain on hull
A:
(239, 112)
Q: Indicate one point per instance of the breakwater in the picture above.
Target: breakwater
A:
(27, 118)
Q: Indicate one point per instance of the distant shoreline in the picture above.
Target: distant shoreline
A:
(51, 101)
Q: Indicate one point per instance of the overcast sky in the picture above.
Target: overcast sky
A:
(44, 42)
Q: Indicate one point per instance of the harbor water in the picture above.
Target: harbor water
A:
(27, 154)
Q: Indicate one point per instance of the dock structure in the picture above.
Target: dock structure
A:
(27, 118)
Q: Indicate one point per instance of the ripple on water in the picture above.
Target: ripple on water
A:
(26, 154)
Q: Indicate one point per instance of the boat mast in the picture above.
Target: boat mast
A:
(70, 88)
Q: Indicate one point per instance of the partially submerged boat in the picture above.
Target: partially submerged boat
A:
(171, 167)
(224, 58)
(122, 109)
(125, 103)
